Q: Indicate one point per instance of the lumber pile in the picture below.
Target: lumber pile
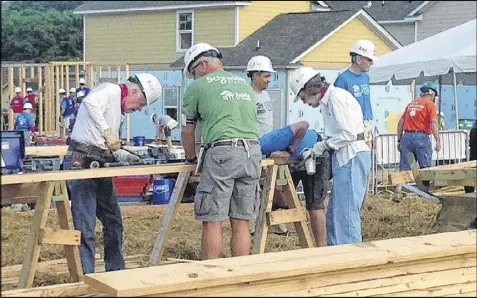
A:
(431, 265)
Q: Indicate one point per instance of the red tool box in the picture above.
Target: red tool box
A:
(129, 186)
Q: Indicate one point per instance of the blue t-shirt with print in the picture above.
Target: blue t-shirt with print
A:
(68, 105)
(311, 137)
(84, 89)
(24, 121)
(358, 85)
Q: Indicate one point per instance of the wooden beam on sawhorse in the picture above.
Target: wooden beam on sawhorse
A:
(295, 214)
(45, 193)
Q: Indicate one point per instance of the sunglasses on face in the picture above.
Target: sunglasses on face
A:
(211, 53)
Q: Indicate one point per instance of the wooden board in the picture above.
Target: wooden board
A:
(218, 272)
(62, 290)
(59, 236)
(103, 172)
(46, 150)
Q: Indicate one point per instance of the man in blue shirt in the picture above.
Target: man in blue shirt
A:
(356, 80)
(67, 107)
(82, 87)
(315, 186)
(24, 122)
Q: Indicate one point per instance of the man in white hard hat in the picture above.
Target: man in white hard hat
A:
(351, 157)
(31, 98)
(17, 102)
(24, 122)
(259, 70)
(82, 87)
(164, 125)
(67, 110)
(95, 137)
(356, 80)
(230, 164)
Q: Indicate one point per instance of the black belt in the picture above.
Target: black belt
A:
(415, 131)
(230, 143)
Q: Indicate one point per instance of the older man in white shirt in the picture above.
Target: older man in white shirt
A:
(351, 157)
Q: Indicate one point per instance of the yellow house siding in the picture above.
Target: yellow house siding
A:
(214, 26)
(259, 13)
(131, 38)
(151, 37)
(334, 52)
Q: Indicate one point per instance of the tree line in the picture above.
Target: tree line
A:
(41, 31)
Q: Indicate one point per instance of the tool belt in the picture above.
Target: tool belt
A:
(85, 156)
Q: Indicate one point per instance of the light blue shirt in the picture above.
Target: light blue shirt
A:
(358, 85)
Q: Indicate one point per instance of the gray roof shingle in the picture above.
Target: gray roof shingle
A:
(283, 38)
(113, 5)
(390, 11)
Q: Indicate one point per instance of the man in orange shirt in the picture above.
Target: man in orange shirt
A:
(418, 121)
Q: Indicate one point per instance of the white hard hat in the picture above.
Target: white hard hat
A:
(61, 91)
(299, 78)
(149, 84)
(82, 81)
(27, 106)
(73, 90)
(18, 89)
(260, 63)
(29, 89)
(194, 52)
(364, 48)
(80, 94)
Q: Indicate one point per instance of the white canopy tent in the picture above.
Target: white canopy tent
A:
(434, 56)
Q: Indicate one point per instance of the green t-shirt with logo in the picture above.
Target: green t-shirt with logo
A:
(224, 105)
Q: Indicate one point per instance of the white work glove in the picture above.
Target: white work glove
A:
(320, 148)
(124, 156)
(112, 141)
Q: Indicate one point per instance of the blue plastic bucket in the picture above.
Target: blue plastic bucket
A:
(139, 141)
(162, 191)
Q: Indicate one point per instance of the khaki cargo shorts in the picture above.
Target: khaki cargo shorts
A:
(229, 184)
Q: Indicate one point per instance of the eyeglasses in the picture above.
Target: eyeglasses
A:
(136, 81)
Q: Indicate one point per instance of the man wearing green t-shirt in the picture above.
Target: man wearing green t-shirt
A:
(225, 107)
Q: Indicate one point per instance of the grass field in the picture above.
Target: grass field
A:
(381, 219)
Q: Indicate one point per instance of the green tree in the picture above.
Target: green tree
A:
(41, 31)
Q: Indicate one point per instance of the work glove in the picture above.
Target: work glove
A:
(112, 141)
(124, 156)
(320, 148)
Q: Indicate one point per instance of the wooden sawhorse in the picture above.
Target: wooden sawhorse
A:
(266, 217)
(295, 214)
(42, 194)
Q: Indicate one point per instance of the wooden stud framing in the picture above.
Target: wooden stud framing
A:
(40, 100)
(67, 75)
(11, 92)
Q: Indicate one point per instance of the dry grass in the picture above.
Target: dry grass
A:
(381, 219)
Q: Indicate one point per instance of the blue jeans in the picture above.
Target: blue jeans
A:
(343, 222)
(91, 198)
(419, 144)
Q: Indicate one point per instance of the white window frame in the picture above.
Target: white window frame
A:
(164, 106)
(178, 32)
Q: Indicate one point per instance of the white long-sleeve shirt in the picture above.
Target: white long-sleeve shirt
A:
(100, 110)
(343, 121)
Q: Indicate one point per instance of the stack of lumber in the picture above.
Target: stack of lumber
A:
(431, 265)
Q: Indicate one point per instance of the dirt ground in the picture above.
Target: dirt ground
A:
(381, 219)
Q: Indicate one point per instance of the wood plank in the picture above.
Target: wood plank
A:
(415, 171)
(266, 200)
(59, 236)
(278, 287)
(46, 150)
(464, 182)
(401, 177)
(11, 194)
(462, 174)
(32, 250)
(390, 285)
(456, 166)
(435, 291)
(154, 280)
(65, 219)
(285, 216)
(62, 290)
(102, 172)
(166, 227)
